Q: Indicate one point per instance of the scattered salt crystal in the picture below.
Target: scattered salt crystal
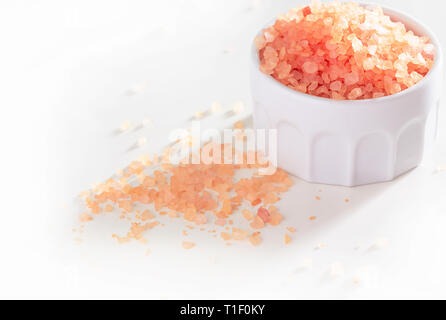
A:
(141, 141)
(307, 263)
(320, 245)
(372, 49)
(362, 276)
(440, 169)
(248, 215)
(85, 217)
(215, 107)
(255, 239)
(125, 126)
(188, 245)
(287, 239)
(380, 243)
(239, 107)
(199, 115)
(336, 270)
(147, 122)
(429, 49)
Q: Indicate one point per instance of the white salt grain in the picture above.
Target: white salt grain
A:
(215, 107)
(239, 107)
(141, 142)
(336, 270)
(125, 126)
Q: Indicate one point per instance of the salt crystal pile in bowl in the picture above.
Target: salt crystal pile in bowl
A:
(352, 89)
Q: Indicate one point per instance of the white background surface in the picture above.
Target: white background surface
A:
(72, 71)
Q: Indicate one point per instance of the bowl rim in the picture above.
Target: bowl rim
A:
(396, 15)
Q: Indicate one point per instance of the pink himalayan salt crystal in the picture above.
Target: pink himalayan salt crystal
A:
(263, 214)
(310, 67)
(343, 51)
(355, 94)
(336, 86)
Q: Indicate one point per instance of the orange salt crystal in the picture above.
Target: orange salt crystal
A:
(188, 245)
(312, 218)
(108, 208)
(200, 219)
(276, 218)
(125, 205)
(220, 222)
(238, 234)
(257, 223)
(342, 50)
(248, 215)
(225, 236)
(255, 239)
(287, 239)
(147, 215)
(318, 198)
(172, 214)
(256, 202)
(238, 125)
(291, 229)
(263, 214)
(85, 217)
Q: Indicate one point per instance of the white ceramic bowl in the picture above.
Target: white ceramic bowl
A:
(350, 143)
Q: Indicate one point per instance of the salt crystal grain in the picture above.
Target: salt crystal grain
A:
(440, 169)
(336, 270)
(362, 276)
(199, 115)
(429, 49)
(380, 243)
(320, 246)
(355, 94)
(141, 142)
(215, 107)
(287, 239)
(85, 217)
(307, 263)
(310, 67)
(238, 107)
(263, 214)
(147, 122)
(351, 78)
(125, 126)
(255, 239)
(336, 86)
(372, 49)
(188, 245)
